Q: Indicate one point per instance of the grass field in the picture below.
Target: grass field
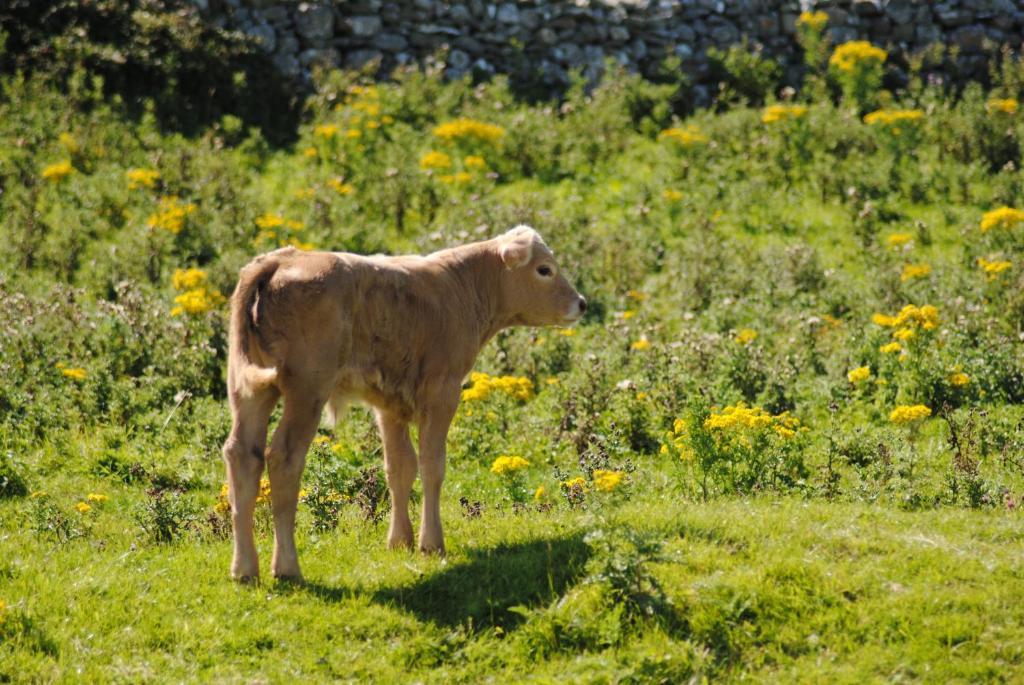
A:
(785, 444)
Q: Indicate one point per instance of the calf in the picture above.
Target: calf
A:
(400, 333)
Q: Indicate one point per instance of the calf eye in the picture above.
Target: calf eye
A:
(545, 270)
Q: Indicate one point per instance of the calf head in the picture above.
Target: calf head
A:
(534, 291)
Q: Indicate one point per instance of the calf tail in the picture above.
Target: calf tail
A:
(245, 374)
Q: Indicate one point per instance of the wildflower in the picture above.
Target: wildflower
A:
(813, 20)
(68, 142)
(641, 344)
(142, 178)
(926, 317)
(83, 508)
(326, 131)
(959, 379)
(890, 348)
(1001, 217)
(903, 413)
(574, 483)
(1001, 106)
(459, 177)
(745, 336)
(672, 195)
(893, 117)
(505, 465)
(898, 239)
(628, 314)
(483, 385)
(196, 301)
(469, 129)
(607, 481)
(911, 271)
(435, 160)
(848, 56)
(686, 136)
(188, 279)
(740, 417)
(475, 162)
(341, 188)
(903, 334)
(353, 133)
(305, 193)
(776, 113)
(98, 499)
(170, 214)
(55, 173)
(269, 220)
(993, 268)
(540, 494)
(861, 373)
(298, 244)
(566, 332)
(636, 295)
(76, 373)
(309, 152)
(263, 496)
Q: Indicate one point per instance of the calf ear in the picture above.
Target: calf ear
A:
(517, 249)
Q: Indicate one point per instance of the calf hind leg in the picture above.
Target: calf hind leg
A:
(400, 467)
(285, 461)
(243, 459)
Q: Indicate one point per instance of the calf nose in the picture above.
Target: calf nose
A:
(583, 304)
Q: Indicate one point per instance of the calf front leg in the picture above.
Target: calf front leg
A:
(400, 467)
(433, 435)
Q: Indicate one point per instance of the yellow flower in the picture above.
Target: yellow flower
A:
(353, 133)
(745, 336)
(775, 113)
(566, 332)
(813, 20)
(898, 239)
(38, 494)
(76, 373)
(270, 220)
(574, 483)
(607, 481)
(1001, 106)
(993, 268)
(341, 188)
(98, 499)
(636, 295)
(309, 152)
(263, 496)
(861, 373)
(505, 465)
(926, 317)
(55, 173)
(686, 136)
(298, 244)
(890, 348)
(903, 334)
(1002, 217)
(909, 413)
(959, 379)
(475, 162)
(893, 117)
(142, 178)
(641, 344)
(483, 385)
(739, 417)
(911, 271)
(83, 508)
(435, 160)
(68, 142)
(196, 301)
(469, 129)
(672, 195)
(188, 279)
(540, 493)
(849, 55)
(326, 131)
(170, 214)
(305, 193)
(628, 314)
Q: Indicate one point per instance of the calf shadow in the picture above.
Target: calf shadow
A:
(479, 591)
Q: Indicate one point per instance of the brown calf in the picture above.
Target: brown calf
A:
(400, 333)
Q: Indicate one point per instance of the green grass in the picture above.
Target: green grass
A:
(768, 590)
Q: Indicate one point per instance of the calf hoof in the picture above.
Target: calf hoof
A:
(400, 541)
(253, 579)
(432, 549)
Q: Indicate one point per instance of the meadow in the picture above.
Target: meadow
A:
(786, 443)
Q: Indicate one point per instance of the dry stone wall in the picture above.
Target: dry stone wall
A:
(549, 38)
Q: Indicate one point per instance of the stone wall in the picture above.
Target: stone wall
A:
(548, 38)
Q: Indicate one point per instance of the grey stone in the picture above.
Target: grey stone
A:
(264, 36)
(725, 34)
(951, 15)
(390, 42)
(360, 58)
(970, 39)
(328, 57)
(638, 48)
(457, 59)
(287, 64)
(482, 67)
(529, 19)
(683, 51)
(508, 13)
(363, 26)
(287, 42)
(315, 23)
(867, 8)
(459, 14)
(618, 34)
(900, 11)
(276, 15)
(547, 36)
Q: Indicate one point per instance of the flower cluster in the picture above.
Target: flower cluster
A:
(909, 319)
(76, 373)
(912, 271)
(505, 465)
(849, 56)
(194, 298)
(484, 385)
(745, 336)
(814, 20)
(606, 481)
(469, 130)
(170, 214)
(1001, 217)
(1002, 106)
(775, 113)
(686, 136)
(55, 173)
(905, 413)
(897, 240)
(858, 375)
(994, 267)
(739, 417)
(892, 117)
(285, 232)
(142, 178)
